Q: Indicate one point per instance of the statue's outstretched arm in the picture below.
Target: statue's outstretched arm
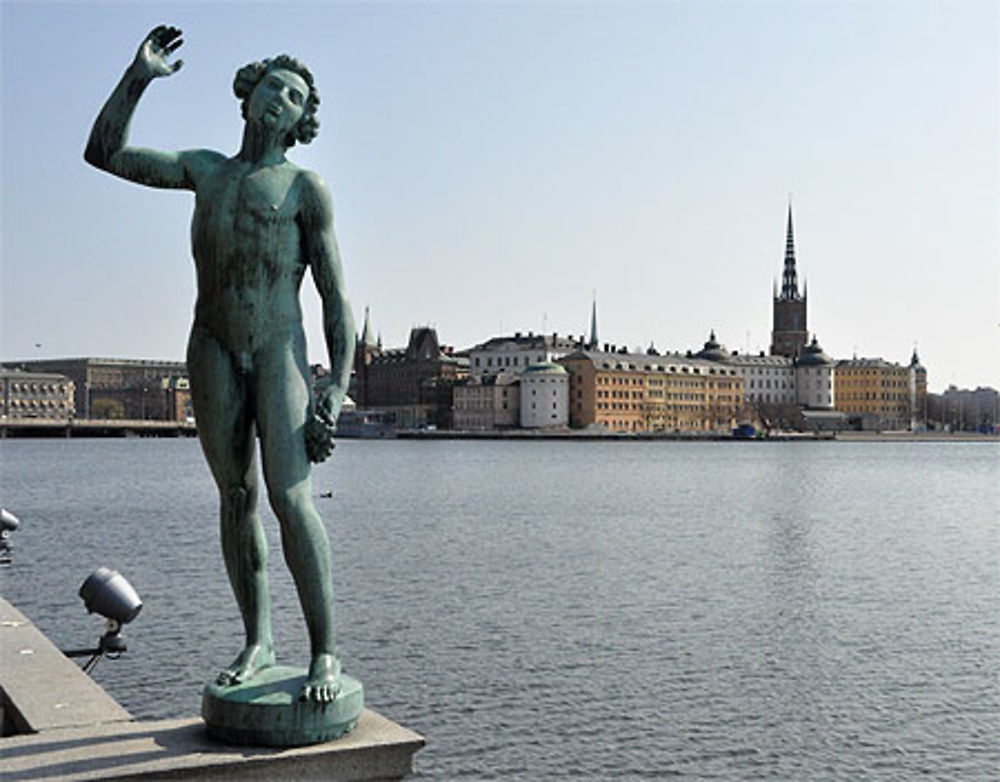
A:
(107, 146)
(338, 323)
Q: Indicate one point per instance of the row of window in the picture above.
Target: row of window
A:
(619, 394)
(870, 395)
(658, 382)
(505, 361)
(767, 384)
(880, 384)
(38, 388)
(476, 404)
(38, 404)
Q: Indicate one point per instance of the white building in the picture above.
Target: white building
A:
(544, 396)
(806, 381)
(517, 353)
(767, 379)
(814, 378)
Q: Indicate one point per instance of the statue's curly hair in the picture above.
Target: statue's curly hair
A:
(249, 76)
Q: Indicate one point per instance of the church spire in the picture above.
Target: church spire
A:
(593, 323)
(367, 337)
(789, 281)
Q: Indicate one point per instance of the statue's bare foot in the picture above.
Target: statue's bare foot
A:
(247, 664)
(323, 683)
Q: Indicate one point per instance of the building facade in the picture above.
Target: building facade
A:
(34, 395)
(777, 389)
(767, 379)
(639, 392)
(116, 388)
(875, 393)
(488, 402)
(516, 353)
(970, 410)
(413, 385)
(544, 396)
(814, 372)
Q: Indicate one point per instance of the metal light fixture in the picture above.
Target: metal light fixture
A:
(8, 523)
(107, 593)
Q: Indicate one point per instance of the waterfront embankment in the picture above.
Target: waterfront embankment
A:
(116, 428)
(58, 723)
(590, 435)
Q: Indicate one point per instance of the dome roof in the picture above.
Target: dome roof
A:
(712, 351)
(813, 356)
(545, 368)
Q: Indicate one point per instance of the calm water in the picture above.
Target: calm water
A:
(583, 610)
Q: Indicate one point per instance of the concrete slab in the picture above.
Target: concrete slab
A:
(69, 728)
(377, 749)
(42, 689)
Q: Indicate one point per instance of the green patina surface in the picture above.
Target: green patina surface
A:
(267, 710)
(260, 223)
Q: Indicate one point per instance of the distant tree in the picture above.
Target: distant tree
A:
(771, 416)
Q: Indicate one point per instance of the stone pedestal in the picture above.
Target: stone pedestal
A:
(69, 728)
(267, 712)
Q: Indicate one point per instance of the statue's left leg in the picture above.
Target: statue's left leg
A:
(282, 401)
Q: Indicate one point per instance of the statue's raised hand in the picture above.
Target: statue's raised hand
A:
(154, 51)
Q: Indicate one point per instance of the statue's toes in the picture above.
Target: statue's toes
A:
(306, 694)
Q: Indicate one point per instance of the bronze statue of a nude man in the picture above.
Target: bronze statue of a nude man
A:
(259, 223)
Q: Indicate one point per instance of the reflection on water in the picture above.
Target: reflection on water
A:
(543, 610)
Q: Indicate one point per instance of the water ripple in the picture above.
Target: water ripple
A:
(564, 611)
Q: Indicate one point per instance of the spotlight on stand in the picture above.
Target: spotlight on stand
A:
(107, 593)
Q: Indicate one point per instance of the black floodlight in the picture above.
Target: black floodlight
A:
(8, 521)
(107, 593)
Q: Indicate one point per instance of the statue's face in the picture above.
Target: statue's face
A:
(278, 101)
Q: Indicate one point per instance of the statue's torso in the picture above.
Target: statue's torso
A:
(247, 248)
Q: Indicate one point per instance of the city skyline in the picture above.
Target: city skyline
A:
(493, 165)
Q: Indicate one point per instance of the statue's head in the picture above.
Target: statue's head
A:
(250, 76)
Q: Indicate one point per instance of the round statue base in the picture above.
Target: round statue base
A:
(266, 711)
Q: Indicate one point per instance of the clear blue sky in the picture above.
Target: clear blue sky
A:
(492, 164)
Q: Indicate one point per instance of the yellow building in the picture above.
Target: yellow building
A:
(630, 392)
(876, 389)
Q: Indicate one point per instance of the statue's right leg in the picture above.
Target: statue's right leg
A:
(219, 395)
